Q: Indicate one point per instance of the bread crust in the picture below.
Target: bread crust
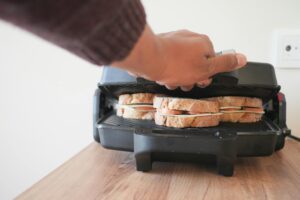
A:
(186, 121)
(131, 113)
(238, 101)
(137, 98)
(184, 104)
(250, 118)
(231, 117)
(241, 117)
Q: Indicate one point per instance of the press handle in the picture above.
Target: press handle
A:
(226, 78)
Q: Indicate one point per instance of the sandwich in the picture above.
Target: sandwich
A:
(183, 113)
(136, 106)
(240, 109)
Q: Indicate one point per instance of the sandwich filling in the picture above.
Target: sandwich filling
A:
(233, 109)
(182, 113)
(139, 107)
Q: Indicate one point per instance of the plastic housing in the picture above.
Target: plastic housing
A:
(221, 144)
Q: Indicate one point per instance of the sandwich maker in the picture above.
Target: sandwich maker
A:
(221, 144)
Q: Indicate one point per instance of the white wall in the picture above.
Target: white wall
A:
(45, 108)
(46, 93)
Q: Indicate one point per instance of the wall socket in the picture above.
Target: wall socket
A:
(286, 49)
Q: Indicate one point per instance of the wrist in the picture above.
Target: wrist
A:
(145, 59)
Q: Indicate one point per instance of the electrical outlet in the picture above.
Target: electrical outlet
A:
(286, 49)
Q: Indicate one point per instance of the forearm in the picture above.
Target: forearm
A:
(100, 31)
(145, 59)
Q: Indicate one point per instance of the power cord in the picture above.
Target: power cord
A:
(294, 137)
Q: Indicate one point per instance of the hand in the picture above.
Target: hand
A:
(180, 58)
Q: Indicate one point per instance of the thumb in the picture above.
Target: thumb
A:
(226, 63)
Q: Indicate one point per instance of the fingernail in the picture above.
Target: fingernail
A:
(186, 89)
(171, 87)
(159, 83)
(200, 85)
(242, 60)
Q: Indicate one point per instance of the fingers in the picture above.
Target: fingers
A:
(132, 74)
(171, 87)
(201, 84)
(187, 88)
(226, 63)
(205, 83)
(183, 88)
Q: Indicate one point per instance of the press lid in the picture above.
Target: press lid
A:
(253, 80)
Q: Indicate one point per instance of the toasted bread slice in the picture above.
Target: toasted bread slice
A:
(233, 101)
(242, 117)
(137, 98)
(250, 118)
(185, 121)
(184, 104)
(231, 117)
(132, 113)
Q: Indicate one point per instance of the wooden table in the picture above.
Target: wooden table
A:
(97, 173)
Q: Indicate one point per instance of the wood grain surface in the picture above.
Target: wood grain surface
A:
(97, 173)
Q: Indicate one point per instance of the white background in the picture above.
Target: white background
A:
(46, 93)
